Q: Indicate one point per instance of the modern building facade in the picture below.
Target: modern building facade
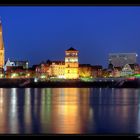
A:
(121, 59)
(2, 56)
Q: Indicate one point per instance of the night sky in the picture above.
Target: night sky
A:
(41, 33)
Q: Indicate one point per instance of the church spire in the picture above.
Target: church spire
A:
(0, 25)
(1, 36)
(2, 56)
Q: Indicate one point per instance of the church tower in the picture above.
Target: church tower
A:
(71, 64)
(1, 47)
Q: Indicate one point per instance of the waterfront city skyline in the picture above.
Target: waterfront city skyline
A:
(69, 70)
(40, 33)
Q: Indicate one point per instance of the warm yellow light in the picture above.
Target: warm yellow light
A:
(28, 74)
(14, 75)
(61, 76)
(1, 75)
(43, 76)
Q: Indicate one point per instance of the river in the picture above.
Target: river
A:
(69, 111)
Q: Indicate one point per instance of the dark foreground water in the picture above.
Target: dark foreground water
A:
(69, 111)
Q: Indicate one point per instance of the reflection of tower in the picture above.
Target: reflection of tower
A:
(1, 48)
(65, 111)
(71, 64)
(13, 112)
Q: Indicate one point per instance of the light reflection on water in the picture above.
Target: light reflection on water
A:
(69, 110)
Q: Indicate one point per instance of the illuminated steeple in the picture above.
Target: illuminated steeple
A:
(1, 47)
(1, 38)
(0, 26)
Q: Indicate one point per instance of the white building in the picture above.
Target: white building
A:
(127, 70)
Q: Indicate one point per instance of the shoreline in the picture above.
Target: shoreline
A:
(29, 83)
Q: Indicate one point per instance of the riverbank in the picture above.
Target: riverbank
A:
(29, 83)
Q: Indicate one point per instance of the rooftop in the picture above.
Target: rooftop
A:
(71, 49)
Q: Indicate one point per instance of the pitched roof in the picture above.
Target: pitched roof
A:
(97, 67)
(71, 49)
(58, 62)
(118, 68)
(85, 65)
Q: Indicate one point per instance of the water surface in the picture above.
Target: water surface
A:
(69, 111)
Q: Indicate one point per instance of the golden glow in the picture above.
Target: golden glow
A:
(14, 75)
(71, 59)
(57, 70)
(1, 75)
(66, 113)
(61, 76)
(1, 49)
(43, 76)
(28, 74)
(71, 64)
(71, 73)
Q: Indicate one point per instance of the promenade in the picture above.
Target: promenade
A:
(96, 83)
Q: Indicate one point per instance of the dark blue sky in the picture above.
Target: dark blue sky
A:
(41, 33)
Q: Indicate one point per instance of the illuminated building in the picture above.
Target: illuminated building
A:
(1, 48)
(16, 69)
(51, 69)
(97, 71)
(71, 64)
(129, 69)
(57, 69)
(24, 64)
(61, 69)
(117, 71)
(42, 71)
(105, 73)
(121, 59)
(85, 70)
(68, 69)
(10, 64)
